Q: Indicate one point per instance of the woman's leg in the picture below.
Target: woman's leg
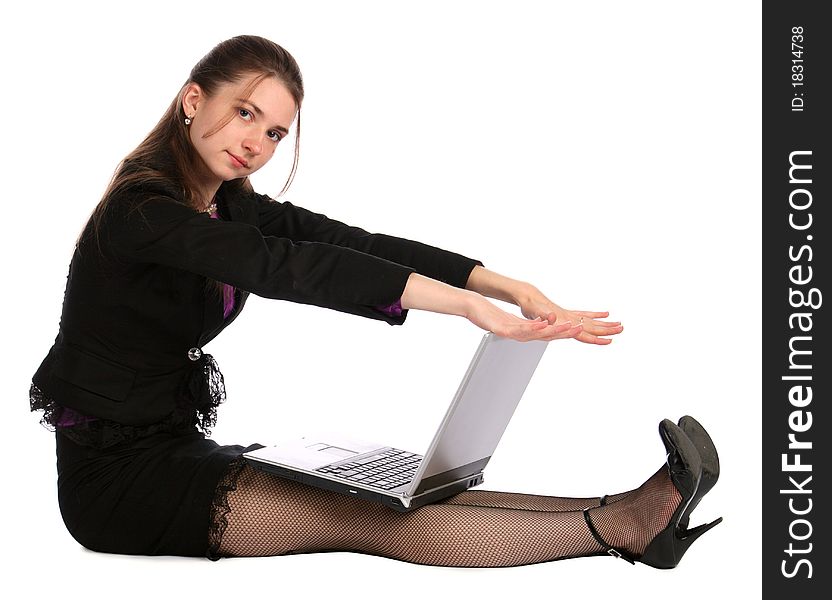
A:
(273, 516)
(529, 501)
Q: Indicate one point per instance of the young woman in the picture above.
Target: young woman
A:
(167, 261)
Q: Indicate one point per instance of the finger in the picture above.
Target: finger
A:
(543, 333)
(599, 329)
(522, 331)
(550, 317)
(590, 314)
(554, 331)
(588, 338)
(603, 323)
(522, 321)
(541, 330)
(567, 333)
(544, 324)
(559, 327)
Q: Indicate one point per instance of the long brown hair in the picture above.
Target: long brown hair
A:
(167, 156)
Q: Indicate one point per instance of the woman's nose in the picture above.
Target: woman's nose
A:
(253, 145)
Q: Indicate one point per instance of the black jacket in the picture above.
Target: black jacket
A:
(136, 315)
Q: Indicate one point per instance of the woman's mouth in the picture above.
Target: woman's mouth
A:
(237, 162)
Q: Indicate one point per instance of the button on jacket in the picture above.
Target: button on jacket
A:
(137, 313)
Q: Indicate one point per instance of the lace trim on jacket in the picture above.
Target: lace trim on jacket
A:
(204, 392)
(101, 433)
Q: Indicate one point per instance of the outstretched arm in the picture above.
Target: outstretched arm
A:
(534, 304)
(423, 293)
(283, 219)
(286, 220)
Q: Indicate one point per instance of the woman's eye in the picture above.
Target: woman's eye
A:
(273, 135)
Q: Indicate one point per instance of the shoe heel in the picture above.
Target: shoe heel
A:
(699, 530)
(668, 548)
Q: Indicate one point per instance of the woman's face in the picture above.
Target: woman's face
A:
(249, 140)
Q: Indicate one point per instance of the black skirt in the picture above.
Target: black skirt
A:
(160, 494)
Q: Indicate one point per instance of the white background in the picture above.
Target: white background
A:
(607, 152)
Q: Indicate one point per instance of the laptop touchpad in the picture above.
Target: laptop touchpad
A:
(334, 450)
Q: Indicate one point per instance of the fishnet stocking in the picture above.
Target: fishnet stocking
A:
(487, 498)
(616, 497)
(530, 501)
(272, 516)
(632, 523)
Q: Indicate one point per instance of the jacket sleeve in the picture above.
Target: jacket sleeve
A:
(166, 232)
(287, 220)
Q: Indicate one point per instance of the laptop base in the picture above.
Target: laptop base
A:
(394, 502)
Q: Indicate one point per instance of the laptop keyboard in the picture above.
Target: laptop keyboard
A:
(386, 470)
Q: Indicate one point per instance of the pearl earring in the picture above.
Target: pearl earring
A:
(188, 120)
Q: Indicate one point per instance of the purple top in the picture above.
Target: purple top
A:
(393, 310)
(69, 417)
(227, 290)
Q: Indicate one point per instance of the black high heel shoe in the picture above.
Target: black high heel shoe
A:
(670, 544)
(710, 462)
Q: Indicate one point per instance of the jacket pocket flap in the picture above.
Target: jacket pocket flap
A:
(94, 374)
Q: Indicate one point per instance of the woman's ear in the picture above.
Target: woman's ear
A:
(191, 98)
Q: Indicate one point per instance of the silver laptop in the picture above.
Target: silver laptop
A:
(466, 439)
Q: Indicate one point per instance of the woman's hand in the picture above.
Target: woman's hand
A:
(544, 320)
(534, 305)
(486, 315)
